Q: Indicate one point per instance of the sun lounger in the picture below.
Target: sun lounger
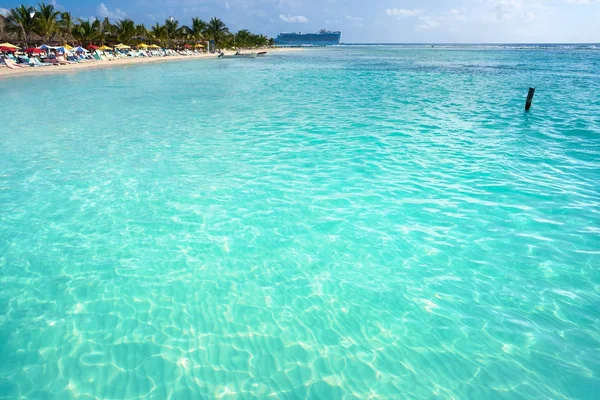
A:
(103, 56)
(14, 59)
(61, 59)
(13, 65)
(39, 63)
(52, 61)
(24, 60)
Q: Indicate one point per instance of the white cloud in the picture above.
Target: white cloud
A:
(508, 9)
(402, 12)
(427, 23)
(103, 12)
(4, 11)
(355, 19)
(293, 18)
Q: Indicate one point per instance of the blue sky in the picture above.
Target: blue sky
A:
(465, 21)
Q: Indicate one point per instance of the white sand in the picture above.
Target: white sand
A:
(6, 72)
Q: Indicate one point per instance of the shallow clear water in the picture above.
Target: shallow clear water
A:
(341, 223)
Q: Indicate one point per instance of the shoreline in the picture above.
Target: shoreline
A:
(6, 73)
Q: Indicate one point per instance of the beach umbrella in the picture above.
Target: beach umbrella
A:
(66, 46)
(104, 48)
(187, 46)
(153, 46)
(80, 50)
(122, 46)
(142, 46)
(92, 47)
(8, 49)
(34, 50)
(12, 46)
(199, 46)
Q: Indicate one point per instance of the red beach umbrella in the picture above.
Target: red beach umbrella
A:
(34, 50)
(92, 47)
(187, 46)
(8, 49)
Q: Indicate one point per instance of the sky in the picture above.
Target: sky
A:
(370, 21)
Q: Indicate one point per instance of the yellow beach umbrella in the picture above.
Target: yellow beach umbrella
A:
(199, 46)
(66, 46)
(122, 46)
(142, 46)
(9, 45)
(104, 48)
(153, 46)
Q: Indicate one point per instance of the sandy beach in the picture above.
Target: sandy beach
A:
(8, 73)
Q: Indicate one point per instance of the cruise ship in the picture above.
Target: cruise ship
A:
(321, 38)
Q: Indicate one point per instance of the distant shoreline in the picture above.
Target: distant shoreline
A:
(6, 72)
(467, 44)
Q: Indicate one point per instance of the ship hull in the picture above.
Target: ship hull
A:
(308, 39)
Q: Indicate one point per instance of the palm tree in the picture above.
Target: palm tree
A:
(2, 19)
(97, 27)
(85, 31)
(216, 30)
(196, 31)
(66, 25)
(125, 30)
(22, 21)
(107, 29)
(45, 21)
(172, 30)
(243, 38)
(159, 33)
(141, 32)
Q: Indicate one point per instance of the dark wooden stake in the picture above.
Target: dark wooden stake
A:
(529, 99)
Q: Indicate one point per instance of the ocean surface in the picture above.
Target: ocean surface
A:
(344, 223)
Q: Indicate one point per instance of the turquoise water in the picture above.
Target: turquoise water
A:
(361, 222)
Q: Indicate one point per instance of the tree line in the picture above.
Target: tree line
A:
(45, 23)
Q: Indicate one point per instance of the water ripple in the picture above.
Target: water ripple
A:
(341, 223)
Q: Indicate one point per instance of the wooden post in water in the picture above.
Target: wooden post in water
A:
(529, 99)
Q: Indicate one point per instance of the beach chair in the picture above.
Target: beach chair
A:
(61, 59)
(52, 61)
(37, 62)
(97, 56)
(105, 56)
(12, 58)
(13, 65)
(24, 60)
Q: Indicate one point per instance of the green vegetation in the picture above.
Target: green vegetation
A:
(44, 23)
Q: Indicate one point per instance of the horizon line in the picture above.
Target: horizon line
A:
(469, 43)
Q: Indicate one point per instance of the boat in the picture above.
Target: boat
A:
(261, 54)
(321, 38)
(238, 55)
